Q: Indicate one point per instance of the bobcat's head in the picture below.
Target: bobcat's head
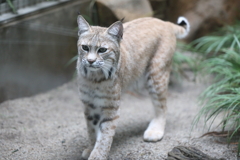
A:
(98, 49)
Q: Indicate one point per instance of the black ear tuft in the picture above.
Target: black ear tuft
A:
(116, 30)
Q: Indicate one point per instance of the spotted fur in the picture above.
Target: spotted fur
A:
(115, 58)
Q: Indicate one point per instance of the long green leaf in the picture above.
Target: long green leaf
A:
(12, 6)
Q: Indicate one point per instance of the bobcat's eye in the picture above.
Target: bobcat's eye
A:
(85, 48)
(102, 50)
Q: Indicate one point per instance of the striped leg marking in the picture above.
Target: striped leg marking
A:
(105, 135)
(158, 91)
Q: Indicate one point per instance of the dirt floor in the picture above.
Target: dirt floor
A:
(51, 126)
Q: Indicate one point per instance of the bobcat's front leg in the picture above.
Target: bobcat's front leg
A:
(104, 139)
(101, 113)
(90, 121)
(105, 132)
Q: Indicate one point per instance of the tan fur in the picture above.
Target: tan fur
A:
(144, 52)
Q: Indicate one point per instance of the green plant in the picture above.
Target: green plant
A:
(9, 2)
(223, 96)
(226, 37)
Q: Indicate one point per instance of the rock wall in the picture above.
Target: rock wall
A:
(205, 16)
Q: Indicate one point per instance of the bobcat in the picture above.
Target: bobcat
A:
(112, 59)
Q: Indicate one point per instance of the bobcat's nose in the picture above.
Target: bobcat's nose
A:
(91, 61)
(91, 58)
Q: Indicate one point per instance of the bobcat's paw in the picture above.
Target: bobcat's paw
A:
(95, 155)
(153, 135)
(86, 153)
(155, 130)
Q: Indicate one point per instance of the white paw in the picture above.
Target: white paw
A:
(86, 153)
(95, 155)
(153, 135)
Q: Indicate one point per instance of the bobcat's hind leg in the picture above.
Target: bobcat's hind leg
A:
(157, 86)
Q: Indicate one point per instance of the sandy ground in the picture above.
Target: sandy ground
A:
(51, 126)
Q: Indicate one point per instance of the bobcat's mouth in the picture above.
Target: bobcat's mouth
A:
(95, 66)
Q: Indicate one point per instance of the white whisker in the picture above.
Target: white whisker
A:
(106, 68)
(105, 72)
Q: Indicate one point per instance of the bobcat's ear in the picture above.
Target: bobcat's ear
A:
(116, 30)
(83, 25)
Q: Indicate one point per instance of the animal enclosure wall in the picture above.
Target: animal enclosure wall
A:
(34, 51)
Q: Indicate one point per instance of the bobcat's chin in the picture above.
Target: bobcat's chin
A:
(92, 68)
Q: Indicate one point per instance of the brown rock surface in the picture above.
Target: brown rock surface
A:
(204, 16)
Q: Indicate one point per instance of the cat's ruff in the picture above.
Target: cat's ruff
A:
(115, 58)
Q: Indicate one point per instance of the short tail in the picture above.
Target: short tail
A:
(183, 28)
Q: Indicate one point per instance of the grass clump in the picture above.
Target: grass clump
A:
(222, 60)
(225, 38)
